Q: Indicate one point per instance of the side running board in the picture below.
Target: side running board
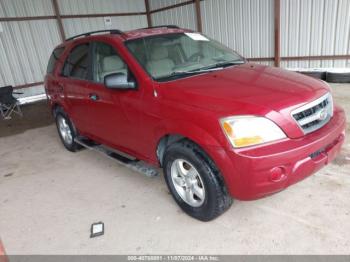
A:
(122, 158)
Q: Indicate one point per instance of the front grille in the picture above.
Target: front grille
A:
(314, 115)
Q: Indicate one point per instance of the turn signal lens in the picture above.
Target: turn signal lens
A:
(228, 129)
(246, 141)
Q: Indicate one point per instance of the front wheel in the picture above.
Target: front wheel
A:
(195, 182)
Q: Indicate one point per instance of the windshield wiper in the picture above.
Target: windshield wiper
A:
(196, 71)
(224, 64)
(191, 72)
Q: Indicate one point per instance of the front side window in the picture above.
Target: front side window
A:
(77, 63)
(173, 56)
(106, 62)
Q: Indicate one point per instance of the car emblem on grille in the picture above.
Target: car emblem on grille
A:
(322, 115)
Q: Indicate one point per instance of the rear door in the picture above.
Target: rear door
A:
(74, 79)
(52, 87)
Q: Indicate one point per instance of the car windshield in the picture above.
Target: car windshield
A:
(172, 56)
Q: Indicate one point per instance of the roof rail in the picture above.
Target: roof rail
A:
(112, 31)
(160, 26)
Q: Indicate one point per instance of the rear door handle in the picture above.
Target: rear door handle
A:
(94, 97)
(60, 88)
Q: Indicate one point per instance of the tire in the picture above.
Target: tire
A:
(213, 199)
(65, 129)
(315, 74)
(333, 77)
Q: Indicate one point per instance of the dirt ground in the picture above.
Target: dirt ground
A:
(50, 197)
(34, 116)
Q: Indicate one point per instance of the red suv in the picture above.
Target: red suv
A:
(220, 127)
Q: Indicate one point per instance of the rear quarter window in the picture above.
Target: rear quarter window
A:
(53, 59)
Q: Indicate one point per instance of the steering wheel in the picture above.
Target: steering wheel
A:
(196, 57)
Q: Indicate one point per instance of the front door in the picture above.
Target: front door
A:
(114, 114)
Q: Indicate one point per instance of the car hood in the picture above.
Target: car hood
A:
(248, 89)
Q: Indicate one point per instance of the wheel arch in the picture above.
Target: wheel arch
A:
(168, 138)
(54, 108)
(164, 142)
(212, 146)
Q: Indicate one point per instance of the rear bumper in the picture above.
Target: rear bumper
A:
(255, 172)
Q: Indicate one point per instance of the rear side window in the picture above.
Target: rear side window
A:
(77, 63)
(53, 59)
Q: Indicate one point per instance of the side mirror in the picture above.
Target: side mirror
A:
(118, 81)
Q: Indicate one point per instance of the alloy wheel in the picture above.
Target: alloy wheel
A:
(188, 182)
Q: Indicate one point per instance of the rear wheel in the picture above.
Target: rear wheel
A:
(195, 182)
(66, 131)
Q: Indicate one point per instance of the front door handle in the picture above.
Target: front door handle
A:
(94, 97)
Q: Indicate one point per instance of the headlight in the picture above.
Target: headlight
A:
(250, 130)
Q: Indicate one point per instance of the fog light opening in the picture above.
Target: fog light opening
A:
(277, 174)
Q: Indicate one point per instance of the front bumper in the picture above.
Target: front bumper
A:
(258, 171)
